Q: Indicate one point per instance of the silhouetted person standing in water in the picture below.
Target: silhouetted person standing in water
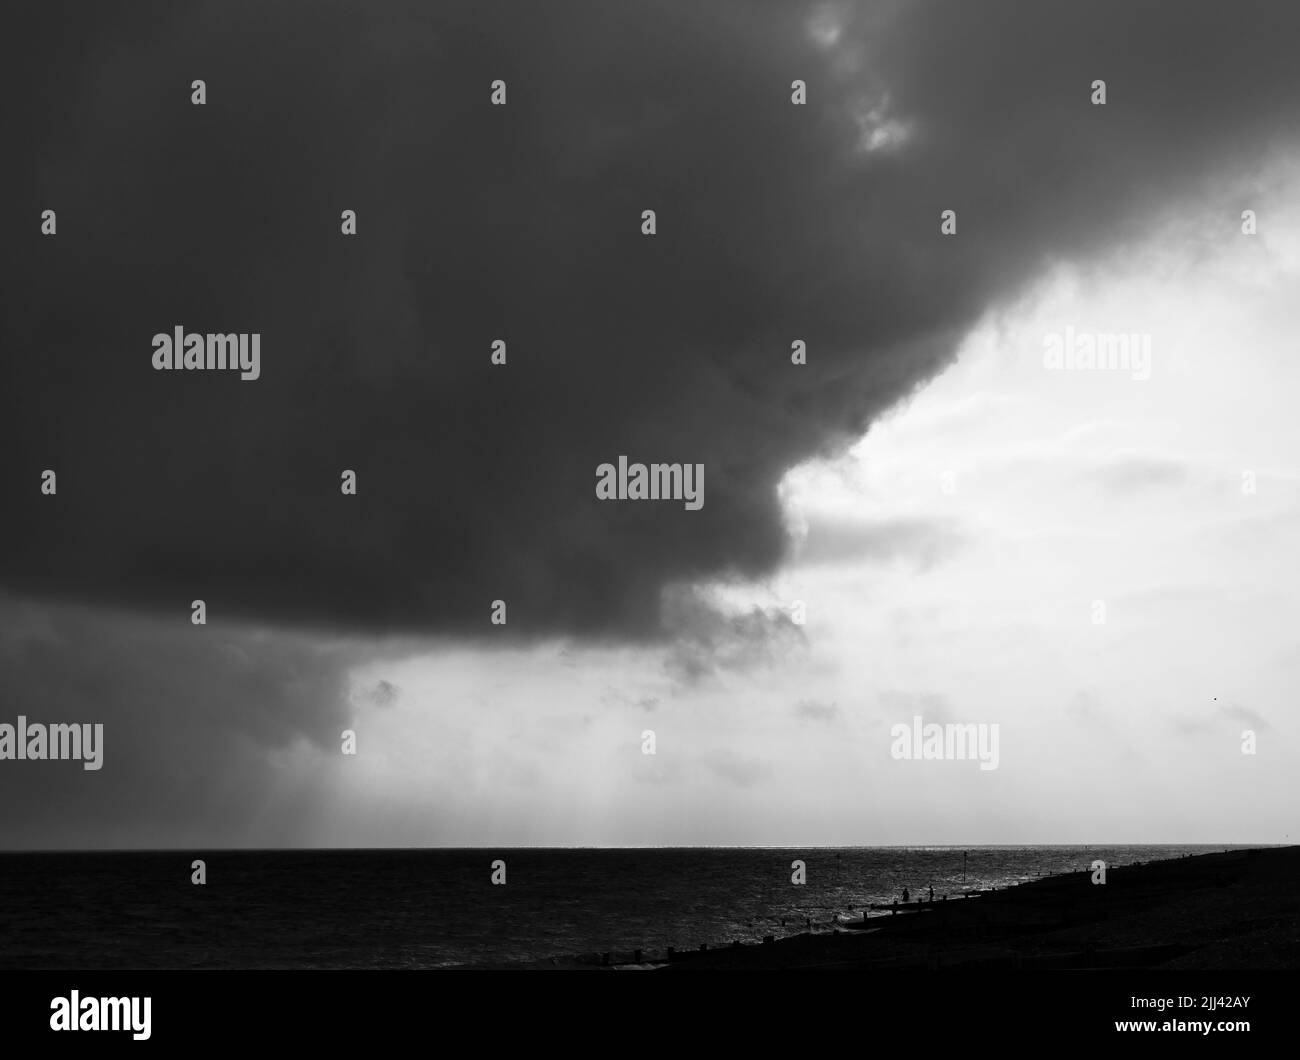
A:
(905, 896)
(932, 892)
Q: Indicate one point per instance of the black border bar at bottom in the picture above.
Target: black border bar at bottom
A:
(660, 1010)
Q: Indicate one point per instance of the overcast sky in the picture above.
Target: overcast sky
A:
(945, 510)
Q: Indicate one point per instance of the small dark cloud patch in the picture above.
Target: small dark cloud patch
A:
(917, 543)
(815, 711)
(1085, 707)
(1138, 474)
(932, 706)
(737, 769)
(708, 640)
(1217, 717)
(382, 693)
(1250, 717)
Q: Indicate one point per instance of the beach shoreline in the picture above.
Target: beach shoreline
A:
(1236, 909)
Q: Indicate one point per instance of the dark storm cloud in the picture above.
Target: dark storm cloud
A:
(197, 724)
(522, 223)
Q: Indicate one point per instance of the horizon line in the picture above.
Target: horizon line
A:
(781, 846)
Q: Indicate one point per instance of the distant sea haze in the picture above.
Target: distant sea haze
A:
(439, 909)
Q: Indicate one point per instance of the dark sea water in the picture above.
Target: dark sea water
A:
(438, 908)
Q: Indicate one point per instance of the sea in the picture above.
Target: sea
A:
(353, 909)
